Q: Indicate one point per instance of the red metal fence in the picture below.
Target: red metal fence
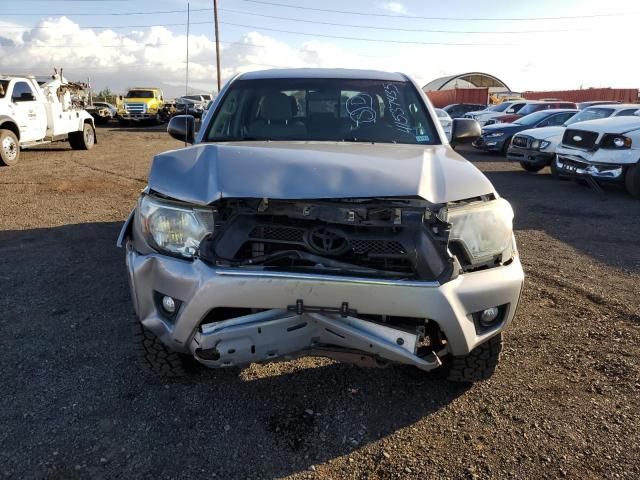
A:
(442, 98)
(624, 95)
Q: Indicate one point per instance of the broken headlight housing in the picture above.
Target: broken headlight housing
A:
(174, 228)
(483, 230)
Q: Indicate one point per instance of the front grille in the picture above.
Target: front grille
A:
(296, 236)
(135, 107)
(519, 141)
(377, 247)
(278, 233)
(581, 139)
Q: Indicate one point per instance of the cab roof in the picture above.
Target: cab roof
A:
(342, 73)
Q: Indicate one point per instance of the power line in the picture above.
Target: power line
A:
(210, 22)
(350, 25)
(473, 19)
(93, 45)
(98, 14)
(365, 39)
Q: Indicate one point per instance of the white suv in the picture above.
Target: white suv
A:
(606, 150)
(536, 148)
(483, 116)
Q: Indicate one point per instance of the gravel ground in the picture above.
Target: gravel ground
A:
(564, 401)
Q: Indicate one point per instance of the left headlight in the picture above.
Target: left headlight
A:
(615, 141)
(483, 230)
(496, 134)
(172, 227)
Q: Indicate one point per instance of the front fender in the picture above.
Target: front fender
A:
(125, 231)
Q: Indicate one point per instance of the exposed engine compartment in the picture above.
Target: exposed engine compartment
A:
(387, 238)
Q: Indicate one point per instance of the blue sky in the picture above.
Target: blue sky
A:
(526, 54)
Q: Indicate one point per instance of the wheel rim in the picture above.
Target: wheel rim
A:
(10, 148)
(88, 136)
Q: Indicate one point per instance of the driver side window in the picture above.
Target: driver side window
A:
(22, 92)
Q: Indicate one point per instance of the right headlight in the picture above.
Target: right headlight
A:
(483, 230)
(174, 228)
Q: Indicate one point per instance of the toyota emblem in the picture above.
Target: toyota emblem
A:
(577, 138)
(326, 241)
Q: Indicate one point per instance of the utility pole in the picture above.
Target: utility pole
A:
(215, 21)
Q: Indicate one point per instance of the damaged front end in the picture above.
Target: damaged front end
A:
(377, 238)
(366, 280)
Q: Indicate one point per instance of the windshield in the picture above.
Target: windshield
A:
(531, 107)
(589, 114)
(140, 94)
(322, 109)
(501, 107)
(532, 119)
(4, 84)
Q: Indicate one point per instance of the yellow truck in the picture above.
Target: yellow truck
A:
(142, 104)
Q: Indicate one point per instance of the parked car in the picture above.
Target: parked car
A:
(583, 105)
(348, 229)
(496, 138)
(142, 105)
(606, 150)
(191, 105)
(528, 109)
(459, 110)
(535, 149)
(482, 117)
(445, 120)
(111, 108)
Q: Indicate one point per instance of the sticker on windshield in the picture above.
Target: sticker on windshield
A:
(422, 138)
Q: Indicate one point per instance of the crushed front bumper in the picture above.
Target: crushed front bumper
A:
(278, 332)
(575, 166)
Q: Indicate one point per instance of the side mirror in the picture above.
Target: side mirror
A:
(464, 130)
(183, 128)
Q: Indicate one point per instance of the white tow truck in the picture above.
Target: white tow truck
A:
(34, 113)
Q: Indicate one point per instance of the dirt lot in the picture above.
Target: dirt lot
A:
(565, 401)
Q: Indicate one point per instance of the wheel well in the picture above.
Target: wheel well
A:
(11, 126)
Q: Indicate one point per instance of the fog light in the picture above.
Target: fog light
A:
(169, 304)
(488, 316)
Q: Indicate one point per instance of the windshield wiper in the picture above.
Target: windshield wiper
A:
(365, 140)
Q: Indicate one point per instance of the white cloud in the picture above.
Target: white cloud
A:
(395, 7)
(156, 56)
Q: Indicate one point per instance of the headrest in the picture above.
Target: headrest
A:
(276, 106)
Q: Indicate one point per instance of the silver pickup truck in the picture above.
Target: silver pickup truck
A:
(321, 212)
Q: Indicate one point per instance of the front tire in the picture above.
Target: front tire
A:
(479, 364)
(9, 148)
(83, 140)
(154, 357)
(532, 167)
(632, 180)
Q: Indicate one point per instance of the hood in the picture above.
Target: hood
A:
(502, 127)
(138, 100)
(609, 125)
(204, 173)
(543, 133)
